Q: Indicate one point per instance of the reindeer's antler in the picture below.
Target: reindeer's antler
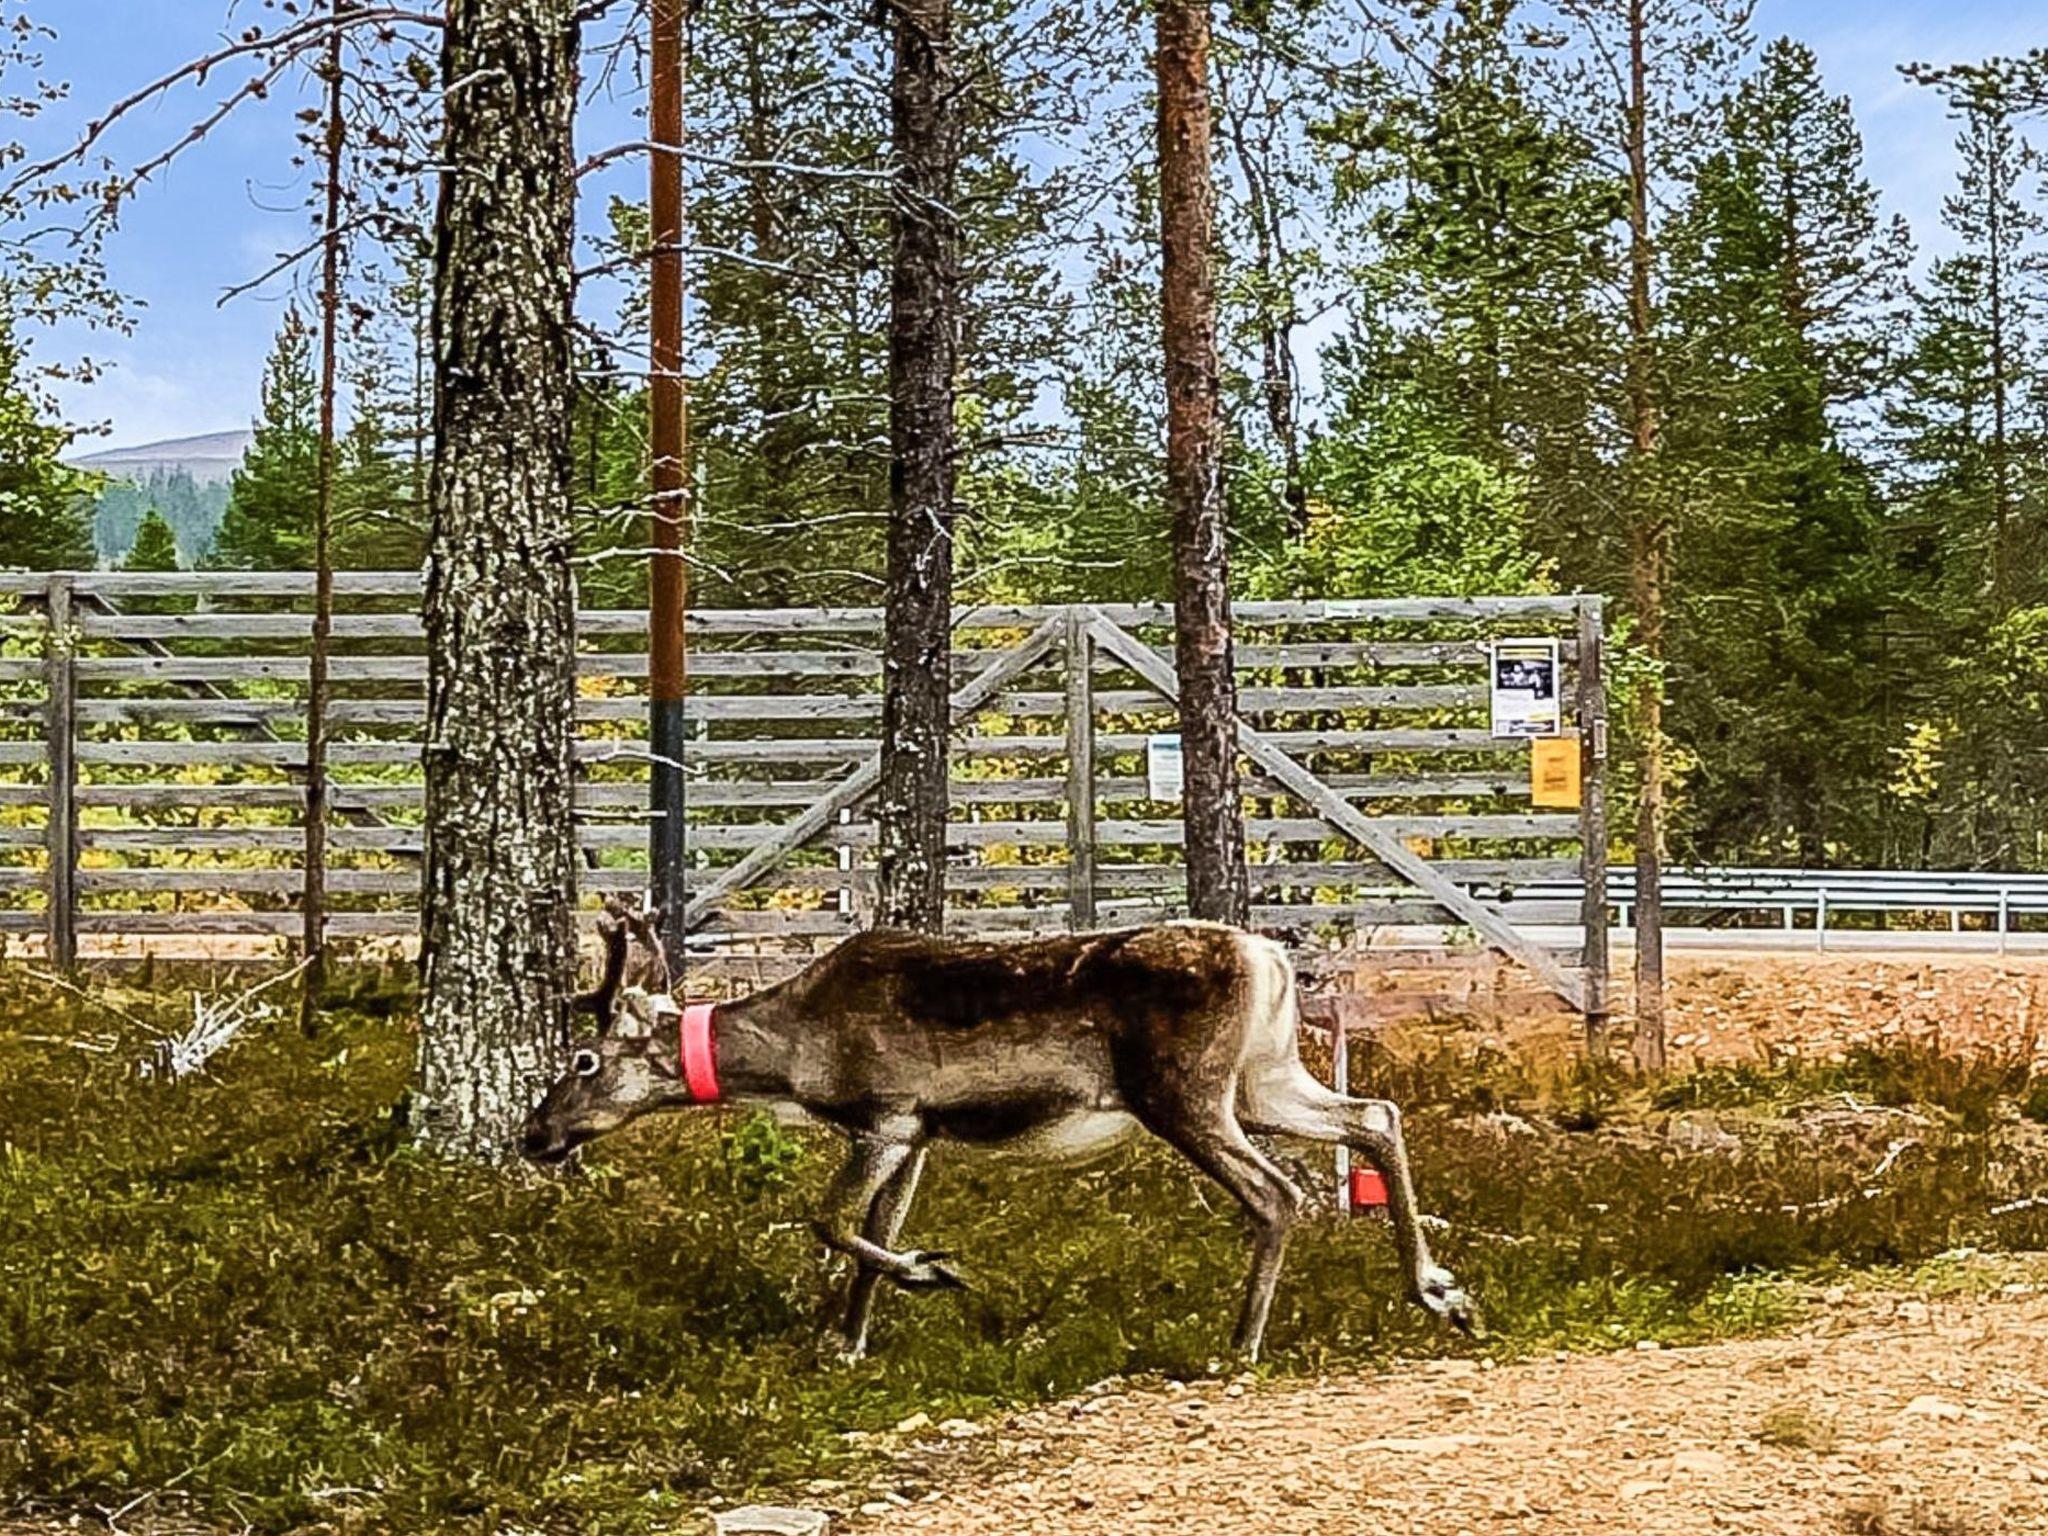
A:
(602, 1000)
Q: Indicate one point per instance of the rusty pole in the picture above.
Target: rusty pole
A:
(667, 587)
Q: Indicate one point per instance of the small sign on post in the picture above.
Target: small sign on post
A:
(1554, 772)
(1525, 691)
(1165, 776)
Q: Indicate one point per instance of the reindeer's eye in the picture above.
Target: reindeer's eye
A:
(585, 1063)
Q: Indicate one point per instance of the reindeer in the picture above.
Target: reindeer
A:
(1053, 1046)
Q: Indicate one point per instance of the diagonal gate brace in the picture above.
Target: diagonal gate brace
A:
(859, 784)
(1352, 822)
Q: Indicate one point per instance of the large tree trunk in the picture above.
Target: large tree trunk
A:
(1211, 811)
(917, 646)
(498, 931)
(1649, 540)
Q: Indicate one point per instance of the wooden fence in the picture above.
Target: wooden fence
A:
(152, 762)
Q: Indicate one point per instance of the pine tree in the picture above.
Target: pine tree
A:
(1783, 289)
(45, 508)
(378, 527)
(1487, 301)
(268, 525)
(1969, 423)
(155, 547)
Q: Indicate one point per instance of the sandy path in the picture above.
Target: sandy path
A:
(1908, 1418)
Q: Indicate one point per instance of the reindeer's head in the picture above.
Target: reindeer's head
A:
(618, 1074)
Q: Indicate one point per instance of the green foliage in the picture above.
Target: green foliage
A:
(268, 524)
(1784, 280)
(45, 507)
(192, 510)
(245, 1289)
(1397, 509)
(155, 547)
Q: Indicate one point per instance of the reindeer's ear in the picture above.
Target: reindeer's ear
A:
(603, 999)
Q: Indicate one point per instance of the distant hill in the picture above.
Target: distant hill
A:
(210, 458)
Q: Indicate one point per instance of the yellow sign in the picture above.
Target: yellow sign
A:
(1554, 771)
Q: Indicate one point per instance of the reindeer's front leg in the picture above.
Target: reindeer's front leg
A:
(884, 1225)
(877, 1158)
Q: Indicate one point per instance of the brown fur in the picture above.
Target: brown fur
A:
(900, 1040)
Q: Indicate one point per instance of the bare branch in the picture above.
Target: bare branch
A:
(295, 40)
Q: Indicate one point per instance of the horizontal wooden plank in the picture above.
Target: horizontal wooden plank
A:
(1112, 879)
(118, 584)
(708, 665)
(287, 882)
(811, 749)
(1027, 704)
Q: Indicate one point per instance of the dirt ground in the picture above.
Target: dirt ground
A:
(1888, 1415)
(1726, 1007)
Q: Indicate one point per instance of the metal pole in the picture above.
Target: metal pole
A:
(667, 583)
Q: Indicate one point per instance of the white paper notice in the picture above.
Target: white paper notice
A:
(1164, 777)
(1525, 698)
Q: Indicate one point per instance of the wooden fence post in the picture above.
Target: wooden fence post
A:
(61, 829)
(1080, 660)
(1592, 713)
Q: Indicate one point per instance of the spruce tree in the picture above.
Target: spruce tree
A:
(1783, 291)
(45, 507)
(155, 547)
(268, 525)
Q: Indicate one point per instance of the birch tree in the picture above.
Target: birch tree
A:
(498, 932)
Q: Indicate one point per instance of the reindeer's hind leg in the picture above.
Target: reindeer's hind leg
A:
(1285, 1100)
(883, 1226)
(1208, 1135)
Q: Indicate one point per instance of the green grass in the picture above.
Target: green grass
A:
(249, 1291)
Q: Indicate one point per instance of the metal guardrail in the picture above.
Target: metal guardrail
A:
(2002, 895)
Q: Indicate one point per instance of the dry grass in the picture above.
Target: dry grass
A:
(1796, 1426)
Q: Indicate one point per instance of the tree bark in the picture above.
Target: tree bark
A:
(1649, 541)
(923, 325)
(497, 908)
(314, 903)
(1211, 810)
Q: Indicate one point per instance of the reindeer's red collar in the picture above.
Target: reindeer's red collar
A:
(699, 1052)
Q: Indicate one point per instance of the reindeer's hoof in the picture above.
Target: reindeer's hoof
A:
(927, 1271)
(1441, 1294)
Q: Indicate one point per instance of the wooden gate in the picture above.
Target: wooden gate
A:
(151, 758)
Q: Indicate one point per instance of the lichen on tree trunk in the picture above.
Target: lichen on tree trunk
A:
(910, 812)
(497, 908)
(1212, 813)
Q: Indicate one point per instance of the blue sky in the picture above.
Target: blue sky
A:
(228, 206)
